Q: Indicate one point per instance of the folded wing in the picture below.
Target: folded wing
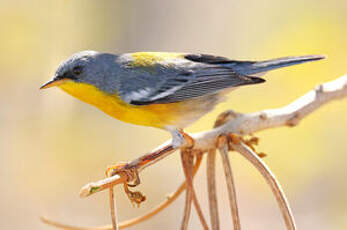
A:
(177, 80)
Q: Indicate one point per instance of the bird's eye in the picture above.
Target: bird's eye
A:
(77, 70)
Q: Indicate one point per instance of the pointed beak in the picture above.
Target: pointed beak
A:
(54, 82)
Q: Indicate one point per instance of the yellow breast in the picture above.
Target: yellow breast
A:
(156, 115)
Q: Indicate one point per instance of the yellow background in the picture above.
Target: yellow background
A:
(51, 144)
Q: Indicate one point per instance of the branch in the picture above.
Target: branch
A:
(211, 189)
(223, 149)
(112, 209)
(186, 160)
(251, 156)
(188, 168)
(289, 115)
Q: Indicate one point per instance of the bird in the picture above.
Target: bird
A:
(164, 90)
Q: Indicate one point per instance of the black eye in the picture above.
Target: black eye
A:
(77, 70)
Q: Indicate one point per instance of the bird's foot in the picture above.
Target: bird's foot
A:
(123, 167)
(136, 197)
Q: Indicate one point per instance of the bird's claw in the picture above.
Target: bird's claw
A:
(123, 167)
(132, 174)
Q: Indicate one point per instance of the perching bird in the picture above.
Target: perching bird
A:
(164, 90)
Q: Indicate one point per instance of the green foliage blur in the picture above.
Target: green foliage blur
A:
(51, 144)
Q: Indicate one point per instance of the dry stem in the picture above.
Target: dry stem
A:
(252, 157)
(112, 209)
(224, 151)
(187, 163)
(186, 160)
(211, 188)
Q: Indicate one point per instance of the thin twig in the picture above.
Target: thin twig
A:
(251, 156)
(197, 206)
(102, 184)
(188, 166)
(186, 159)
(223, 150)
(112, 209)
(211, 188)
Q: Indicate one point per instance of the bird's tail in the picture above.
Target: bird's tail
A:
(256, 68)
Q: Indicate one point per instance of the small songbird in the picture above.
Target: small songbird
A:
(164, 90)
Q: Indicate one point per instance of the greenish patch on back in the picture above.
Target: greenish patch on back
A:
(150, 59)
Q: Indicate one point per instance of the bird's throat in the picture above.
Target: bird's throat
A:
(149, 115)
(110, 104)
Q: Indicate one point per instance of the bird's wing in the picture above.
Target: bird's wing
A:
(180, 78)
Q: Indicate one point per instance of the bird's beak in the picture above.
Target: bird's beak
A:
(54, 82)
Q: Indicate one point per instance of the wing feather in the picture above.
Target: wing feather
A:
(173, 81)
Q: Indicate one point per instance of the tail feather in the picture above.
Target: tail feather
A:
(253, 68)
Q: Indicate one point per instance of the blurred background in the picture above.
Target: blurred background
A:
(51, 144)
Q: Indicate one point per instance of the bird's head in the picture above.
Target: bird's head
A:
(88, 67)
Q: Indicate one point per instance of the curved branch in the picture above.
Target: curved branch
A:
(114, 218)
(187, 159)
(252, 157)
(224, 151)
(289, 115)
(211, 188)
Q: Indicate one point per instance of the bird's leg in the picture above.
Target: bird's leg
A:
(180, 139)
(136, 197)
(131, 168)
